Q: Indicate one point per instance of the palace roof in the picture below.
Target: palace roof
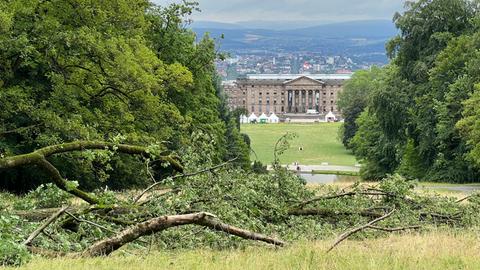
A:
(295, 76)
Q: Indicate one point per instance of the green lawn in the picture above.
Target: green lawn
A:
(319, 141)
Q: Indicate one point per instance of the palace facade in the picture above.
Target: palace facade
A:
(286, 94)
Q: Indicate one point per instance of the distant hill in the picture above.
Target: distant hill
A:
(356, 37)
(279, 25)
(354, 29)
(215, 25)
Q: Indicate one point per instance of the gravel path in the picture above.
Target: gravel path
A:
(310, 168)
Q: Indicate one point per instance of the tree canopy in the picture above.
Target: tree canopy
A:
(117, 71)
(422, 105)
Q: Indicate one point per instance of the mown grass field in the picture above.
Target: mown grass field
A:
(434, 250)
(319, 141)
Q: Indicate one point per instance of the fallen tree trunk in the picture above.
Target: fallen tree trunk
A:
(107, 246)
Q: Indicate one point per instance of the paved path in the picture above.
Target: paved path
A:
(310, 168)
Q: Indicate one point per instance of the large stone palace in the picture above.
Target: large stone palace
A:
(286, 95)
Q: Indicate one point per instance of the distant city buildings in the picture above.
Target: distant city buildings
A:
(255, 62)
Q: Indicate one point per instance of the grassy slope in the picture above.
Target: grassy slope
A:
(320, 143)
(428, 251)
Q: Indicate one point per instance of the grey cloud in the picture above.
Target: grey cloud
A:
(320, 10)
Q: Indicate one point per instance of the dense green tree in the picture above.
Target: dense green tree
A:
(417, 106)
(354, 99)
(103, 70)
(470, 125)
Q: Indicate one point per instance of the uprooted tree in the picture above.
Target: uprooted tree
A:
(201, 203)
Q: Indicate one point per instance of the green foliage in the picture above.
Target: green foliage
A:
(259, 168)
(12, 253)
(44, 196)
(411, 166)
(470, 125)
(372, 147)
(354, 99)
(97, 70)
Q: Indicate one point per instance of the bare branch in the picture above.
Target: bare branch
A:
(414, 227)
(90, 223)
(346, 194)
(17, 130)
(332, 213)
(38, 231)
(181, 176)
(345, 235)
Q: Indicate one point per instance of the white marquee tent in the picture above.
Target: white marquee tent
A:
(263, 118)
(273, 119)
(252, 118)
(330, 117)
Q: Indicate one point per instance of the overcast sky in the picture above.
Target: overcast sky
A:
(294, 10)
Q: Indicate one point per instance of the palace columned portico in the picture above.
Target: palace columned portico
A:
(299, 101)
(305, 94)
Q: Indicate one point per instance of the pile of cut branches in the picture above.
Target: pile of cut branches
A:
(206, 204)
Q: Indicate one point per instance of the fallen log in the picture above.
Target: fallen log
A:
(107, 246)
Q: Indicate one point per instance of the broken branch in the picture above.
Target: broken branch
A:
(345, 235)
(156, 183)
(38, 231)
